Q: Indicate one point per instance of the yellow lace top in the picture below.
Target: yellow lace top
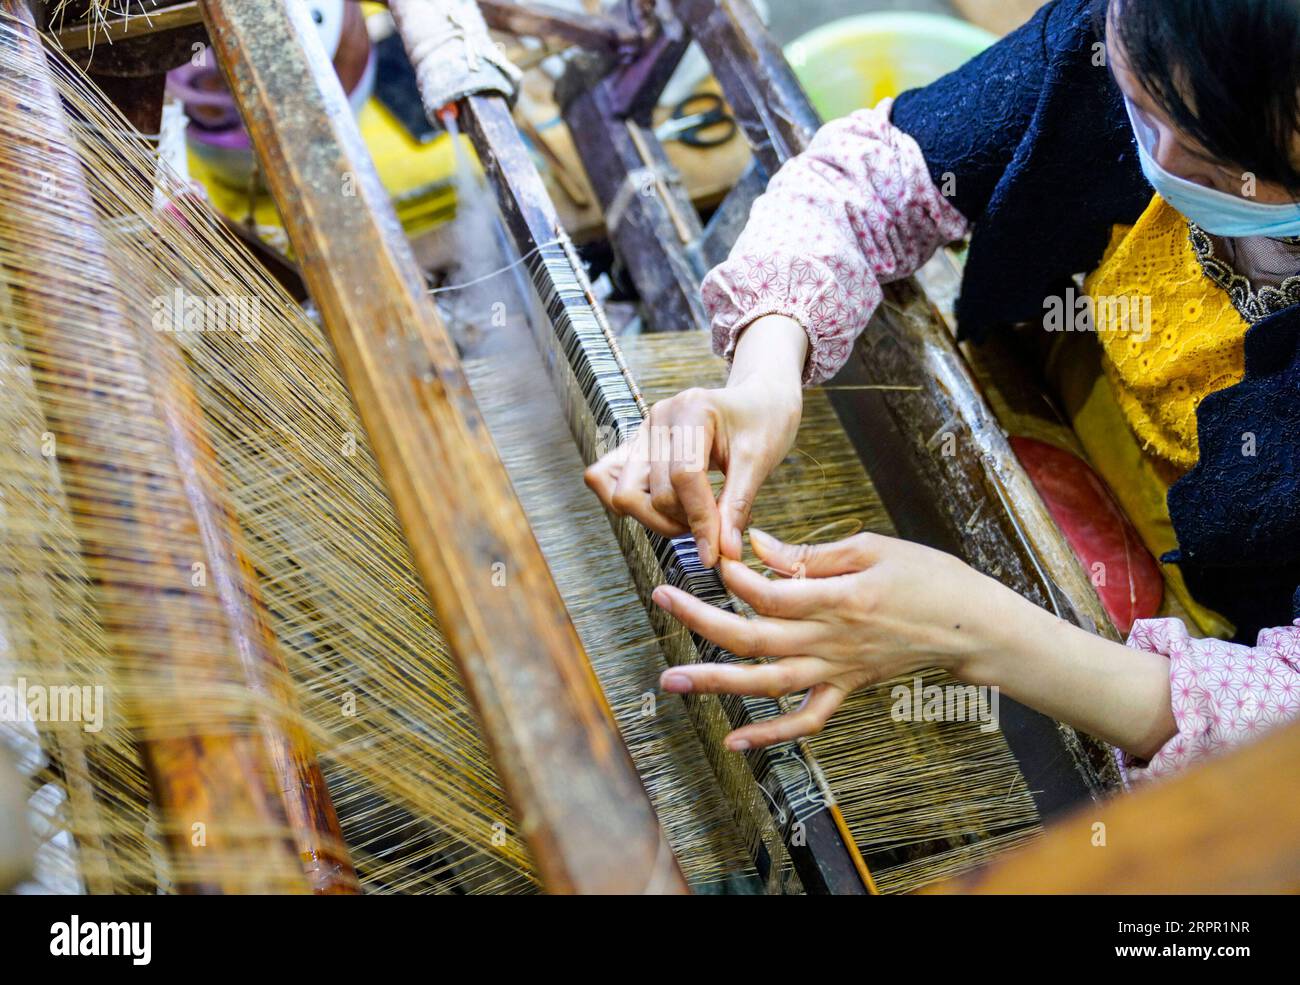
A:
(1169, 335)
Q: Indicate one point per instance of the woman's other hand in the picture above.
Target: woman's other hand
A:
(661, 477)
(861, 611)
(838, 617)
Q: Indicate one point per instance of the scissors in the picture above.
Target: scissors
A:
(700, 120)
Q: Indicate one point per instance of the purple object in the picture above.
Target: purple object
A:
(215, 133)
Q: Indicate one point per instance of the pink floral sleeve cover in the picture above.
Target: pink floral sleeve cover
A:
(1223, 693)
(856, 210)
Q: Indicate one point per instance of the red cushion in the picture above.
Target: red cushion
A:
(1125, 574)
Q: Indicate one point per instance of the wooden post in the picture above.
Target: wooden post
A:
(594, 31)
(649, 217)
(578, 800)
(1231, 825)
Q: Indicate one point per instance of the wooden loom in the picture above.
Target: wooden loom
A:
(575, 793)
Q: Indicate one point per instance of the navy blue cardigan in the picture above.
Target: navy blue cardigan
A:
(1035, 135)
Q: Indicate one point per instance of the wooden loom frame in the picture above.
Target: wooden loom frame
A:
(917, 380)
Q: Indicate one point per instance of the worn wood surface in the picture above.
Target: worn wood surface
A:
(1231, 825)
(577, 798)
(143, 43)
(313, 822)
(71, 33)
(539, 20)
(707, 173)
(648, 214)
(595, 31)
(637, 85)
(162, 625)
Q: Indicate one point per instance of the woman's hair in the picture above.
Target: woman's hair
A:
(1225, 72)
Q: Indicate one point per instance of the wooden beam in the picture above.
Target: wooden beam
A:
(539, 20)
(765, 97)
(649, 218)
(1231, 825)
(639, 84)
(143, 24)
(578, 801)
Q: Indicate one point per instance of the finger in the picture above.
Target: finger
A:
(770, 680)
(631, 495)
(781, 598)
(822, 702)
(744, 637)
(602, 477)
(662, 496)
(745, 475)
(841, 557)
(695, 493)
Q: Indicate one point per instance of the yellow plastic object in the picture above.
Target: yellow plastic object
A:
(420, 178)
(857, 61)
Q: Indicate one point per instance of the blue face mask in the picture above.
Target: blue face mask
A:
(1214, 211)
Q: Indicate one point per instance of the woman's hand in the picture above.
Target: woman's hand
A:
(861, 611)
(661, 477)
(842, 616)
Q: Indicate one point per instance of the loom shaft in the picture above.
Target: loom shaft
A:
(579, 802)
(825, 858)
